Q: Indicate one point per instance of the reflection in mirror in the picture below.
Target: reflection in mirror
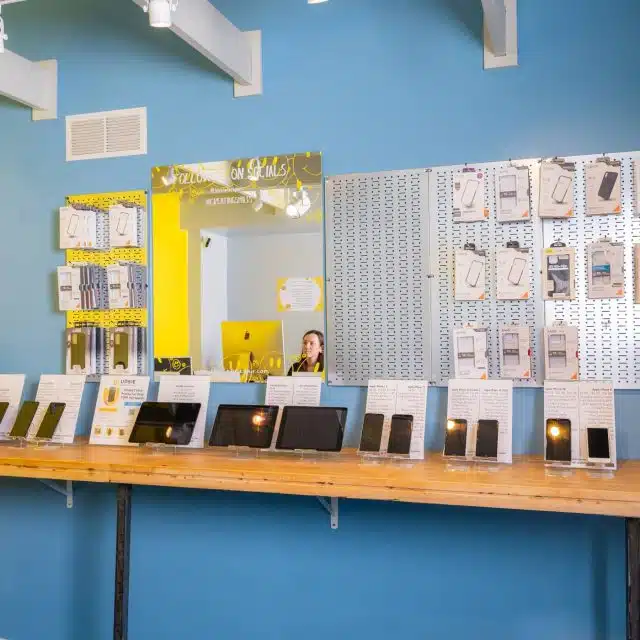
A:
(238, 264)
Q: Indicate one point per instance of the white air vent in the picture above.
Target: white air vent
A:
(108, 134)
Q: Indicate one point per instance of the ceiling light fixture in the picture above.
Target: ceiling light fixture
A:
(160, 12)
(315, 1)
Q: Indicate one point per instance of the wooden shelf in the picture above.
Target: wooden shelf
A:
(524, 485)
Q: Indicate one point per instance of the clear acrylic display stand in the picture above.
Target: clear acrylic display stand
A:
(489, 465)
(456, 463)
(45, 443)
(558, 469)
(371, 457)
(12, 441)
(600, 470)
(304, 455)
(158, 448)
(238, 452)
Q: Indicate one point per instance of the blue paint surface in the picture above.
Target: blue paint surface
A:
(373, 85)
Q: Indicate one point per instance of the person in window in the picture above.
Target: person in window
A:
(312, 357)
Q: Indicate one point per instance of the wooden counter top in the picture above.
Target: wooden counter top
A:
(524, 485)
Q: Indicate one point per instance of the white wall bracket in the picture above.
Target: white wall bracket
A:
(331, 507)
(65, 489)
(500, 33)
(204, 28)
(34, 84)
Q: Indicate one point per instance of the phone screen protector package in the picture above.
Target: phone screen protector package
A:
(558, 273)
(79, 347)
(124, 226)
(468, 196)
(69, 296)
(512, 194)
(123, 357)
(470, 270)
(514, 273)
(603, 187)
(605, 269)
(470, 353)
(636, 185)
(71, 228)
(515, 352)
(556, 189)
(561, 353)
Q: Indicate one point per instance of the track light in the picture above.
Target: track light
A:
(160, 12)
(315, 1)
(300, 205)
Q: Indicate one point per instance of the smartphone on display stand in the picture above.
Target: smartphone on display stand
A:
(400, 434)
(598, 447)
(24, 419)
(455, 439)
(487, 439)
(50, 421)
(4, 407)
(371, 437)
(558, 440)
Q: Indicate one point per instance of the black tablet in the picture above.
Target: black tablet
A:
(312, 428)
(241, 425)
(169, 423)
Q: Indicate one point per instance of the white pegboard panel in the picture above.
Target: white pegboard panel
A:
(488, 235)
(609, 330)
(378, 302)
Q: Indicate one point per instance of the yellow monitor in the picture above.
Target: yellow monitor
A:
(255, 349)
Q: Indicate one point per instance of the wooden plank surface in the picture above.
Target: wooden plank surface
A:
(524, 485)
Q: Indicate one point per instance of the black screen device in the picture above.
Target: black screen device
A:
(244, 426)
(371, 437)
(598, 443)
(169, 423)
(487, 439)
(400, 434)
(608, 182)
(24, 418)
(50, 420)
(3, 410)
(455, 439)
(312, 428)
(558, 440)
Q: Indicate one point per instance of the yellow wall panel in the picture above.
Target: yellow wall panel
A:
(170, 266)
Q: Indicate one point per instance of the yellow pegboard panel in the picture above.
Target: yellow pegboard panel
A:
(108, 318)
(111, 317)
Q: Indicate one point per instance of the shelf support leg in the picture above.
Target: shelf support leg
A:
(331, 507)
(123, 542)
(67, 491)
(632, 526)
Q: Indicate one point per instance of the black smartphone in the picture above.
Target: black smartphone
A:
(455, 439)
(3, 410)
(371, 436)
(312, 428)
(244, 426)
(50, 420)
(598, 449)
(487, 439)
(558, 440)
(606, 186)
(169, 423)
(400, 434)
(24, 419)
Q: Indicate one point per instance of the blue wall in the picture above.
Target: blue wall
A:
(374, 85)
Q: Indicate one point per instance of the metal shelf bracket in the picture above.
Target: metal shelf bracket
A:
(331, 507)
(65, 489)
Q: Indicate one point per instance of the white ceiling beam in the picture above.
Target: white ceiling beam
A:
(500, 33)
(34, 84)
(237, 53)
